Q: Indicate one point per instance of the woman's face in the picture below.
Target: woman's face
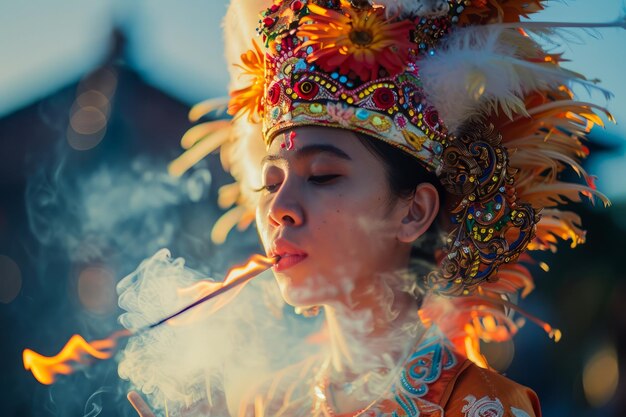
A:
(325, 208)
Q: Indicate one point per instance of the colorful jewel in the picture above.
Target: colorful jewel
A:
(384, 98)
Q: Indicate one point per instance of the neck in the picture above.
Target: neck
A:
(373, 328)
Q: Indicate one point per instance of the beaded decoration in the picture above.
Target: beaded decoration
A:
(372, 90)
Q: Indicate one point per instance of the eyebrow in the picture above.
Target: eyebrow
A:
(310, 150)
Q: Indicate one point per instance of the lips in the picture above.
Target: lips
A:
(289, 253)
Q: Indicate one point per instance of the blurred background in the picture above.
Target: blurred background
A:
(93, 101)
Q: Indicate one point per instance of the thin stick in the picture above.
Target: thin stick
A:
(207, 297)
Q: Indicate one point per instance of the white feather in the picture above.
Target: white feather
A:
(242, 156)
(240, 142)
(423, 8)
(486, 68)
(240, 23)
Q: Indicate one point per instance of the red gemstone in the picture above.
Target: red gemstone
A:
(296, 5)
(432, 118)
(274, 8)
(269, 21)
(273, 94)
(306, 89)
(383, 98)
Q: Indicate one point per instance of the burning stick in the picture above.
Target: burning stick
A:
(236, 276)
(77, 351)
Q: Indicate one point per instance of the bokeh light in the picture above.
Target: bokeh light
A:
(10, 279)
(601, 376)
(94, 98)
(96, 289)
(88, 120)
(82, 142)
(499, 354)
(90, 111)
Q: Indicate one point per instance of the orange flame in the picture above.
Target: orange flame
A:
(77, 351)
(237, 275)
(255, 265)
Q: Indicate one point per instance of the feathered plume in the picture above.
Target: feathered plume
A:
(423, 8)
(500, 73)
(480, 70)
(240, 141)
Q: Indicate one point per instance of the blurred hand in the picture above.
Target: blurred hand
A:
(138, 403)
(200, 408)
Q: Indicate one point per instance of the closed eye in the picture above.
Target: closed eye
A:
(322, 179)
(315, 179)
(270, 188)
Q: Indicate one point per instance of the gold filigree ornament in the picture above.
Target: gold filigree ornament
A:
(490, 227)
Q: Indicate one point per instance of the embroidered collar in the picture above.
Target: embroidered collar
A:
(417, 387)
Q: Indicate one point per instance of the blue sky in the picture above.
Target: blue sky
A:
(177, 47)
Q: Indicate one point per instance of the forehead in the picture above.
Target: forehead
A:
(305, 136)
(306, 143)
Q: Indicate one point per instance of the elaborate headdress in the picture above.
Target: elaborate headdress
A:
(462, 85)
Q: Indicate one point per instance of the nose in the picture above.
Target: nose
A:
(285, 208)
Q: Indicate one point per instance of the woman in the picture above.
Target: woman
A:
(385, 122)
(334, 210)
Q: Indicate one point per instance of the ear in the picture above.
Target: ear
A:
(422, 211)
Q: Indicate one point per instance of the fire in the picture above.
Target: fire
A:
(77, 351)
(255, 265)
(203, 291)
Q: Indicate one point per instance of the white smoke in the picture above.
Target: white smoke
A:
(129, 208)
(179, 366)
(110, 214)
(220, 357)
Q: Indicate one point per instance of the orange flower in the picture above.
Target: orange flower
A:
(361, 41)
(249, 99)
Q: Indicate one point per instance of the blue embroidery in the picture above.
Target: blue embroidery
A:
(518, 412)
(425, 365)
(408, 407)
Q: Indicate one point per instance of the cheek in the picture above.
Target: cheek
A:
(262, 224)
(358, 234)
(361, 214)
(349, 236)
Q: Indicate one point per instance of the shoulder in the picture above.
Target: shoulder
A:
(477, 392)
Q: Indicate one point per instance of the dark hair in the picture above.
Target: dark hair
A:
(404, 171)
(404, 174)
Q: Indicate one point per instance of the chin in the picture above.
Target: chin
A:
(305, 292)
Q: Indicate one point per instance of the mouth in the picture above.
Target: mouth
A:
(288, 260)
(288, 254)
